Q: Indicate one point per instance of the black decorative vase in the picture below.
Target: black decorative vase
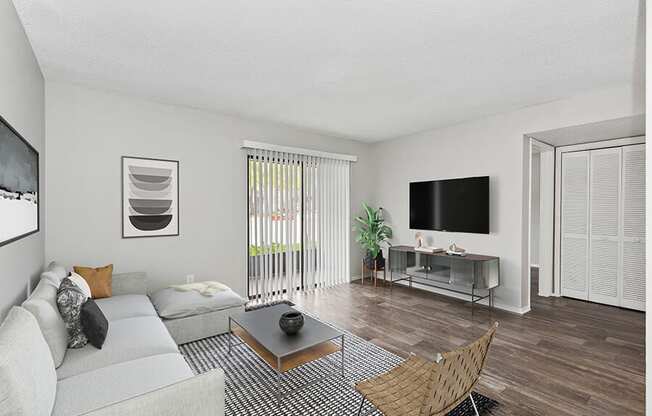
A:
(291, 322)
(379, 261)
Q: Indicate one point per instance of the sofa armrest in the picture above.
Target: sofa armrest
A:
(129, 283)
(202, 395)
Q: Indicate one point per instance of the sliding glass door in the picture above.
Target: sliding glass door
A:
(275, 226)
(298, 223)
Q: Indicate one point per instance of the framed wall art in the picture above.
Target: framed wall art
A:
(150, 197)
(19, 186)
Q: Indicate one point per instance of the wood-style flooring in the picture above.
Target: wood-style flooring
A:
(565, 357)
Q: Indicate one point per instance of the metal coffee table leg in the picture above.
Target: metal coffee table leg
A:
(278, 381)
(230, 335)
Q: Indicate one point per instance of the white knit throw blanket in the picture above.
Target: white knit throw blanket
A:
(208, 288)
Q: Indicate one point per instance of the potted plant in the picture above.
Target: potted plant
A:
(372, 232)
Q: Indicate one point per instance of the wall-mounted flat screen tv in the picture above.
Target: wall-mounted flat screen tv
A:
(456, 205)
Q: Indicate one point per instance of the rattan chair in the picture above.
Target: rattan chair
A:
(418, 387)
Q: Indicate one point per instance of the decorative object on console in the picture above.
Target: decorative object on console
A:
(70, 299)
(426, 249)
(19, 186)
(94, 323)
(419, 240)
(420, 245)
(291, 322)
(454, 250)
(99, 279)
(150, 197)
(372, 233)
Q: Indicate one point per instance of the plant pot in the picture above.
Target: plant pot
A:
(379, 261)
(291, 322)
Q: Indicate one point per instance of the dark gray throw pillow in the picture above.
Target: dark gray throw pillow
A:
(70, 299)
(94, 323)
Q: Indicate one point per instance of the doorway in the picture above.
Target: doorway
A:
(542, 196)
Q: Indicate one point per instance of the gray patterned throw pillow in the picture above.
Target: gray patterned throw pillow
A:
(70, 299)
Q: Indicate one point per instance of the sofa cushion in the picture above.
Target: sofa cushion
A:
(172, 303)
(43, 305)
(128, 339)
(28, 381)
(134, 283)
(54, 273)
(126, 306)
(118, 382)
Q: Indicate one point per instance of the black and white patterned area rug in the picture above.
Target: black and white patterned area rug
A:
(250, 383)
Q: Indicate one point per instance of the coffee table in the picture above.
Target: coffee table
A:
(260, 331)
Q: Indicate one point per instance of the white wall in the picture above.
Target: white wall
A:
(89, 130)
(492, 146)
(535, 210)
(21, 104)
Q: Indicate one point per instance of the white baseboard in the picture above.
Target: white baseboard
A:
(497, 304)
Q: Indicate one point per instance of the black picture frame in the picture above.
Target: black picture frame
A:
(122, 192)
(38, 184)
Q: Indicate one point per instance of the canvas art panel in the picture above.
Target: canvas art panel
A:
(19, 186)
(150, 197)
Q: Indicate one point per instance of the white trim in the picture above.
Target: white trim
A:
(497, 305)
(248, 144)
(540, 146)
(546, 221)
(627, 141)
(535, 265)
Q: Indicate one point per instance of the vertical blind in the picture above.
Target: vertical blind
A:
(298, 223)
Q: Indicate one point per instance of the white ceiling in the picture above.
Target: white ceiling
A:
(364, 69)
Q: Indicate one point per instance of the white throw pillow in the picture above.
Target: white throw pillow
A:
(81, 283)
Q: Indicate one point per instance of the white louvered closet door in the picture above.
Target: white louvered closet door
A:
(575, 225)
(605, 224)
(633, 226)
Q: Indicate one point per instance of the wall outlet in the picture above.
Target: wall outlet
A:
(190, 278)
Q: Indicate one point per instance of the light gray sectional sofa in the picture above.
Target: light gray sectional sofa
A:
(138, 371)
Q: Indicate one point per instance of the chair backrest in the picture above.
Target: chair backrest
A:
(452, 380)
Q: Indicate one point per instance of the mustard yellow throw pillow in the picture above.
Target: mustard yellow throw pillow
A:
(99, 279)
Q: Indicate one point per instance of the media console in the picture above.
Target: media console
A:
(465, 275)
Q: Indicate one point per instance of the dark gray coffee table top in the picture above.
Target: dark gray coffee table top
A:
(262, 325)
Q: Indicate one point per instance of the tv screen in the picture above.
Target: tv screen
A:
(457, 205)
